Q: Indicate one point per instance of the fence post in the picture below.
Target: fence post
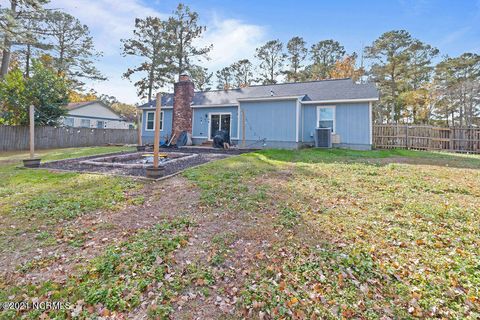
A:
(406, 137)
(139, 128)
(451, 142)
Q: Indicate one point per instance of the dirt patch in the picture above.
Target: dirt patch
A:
(244, 238)
(96, 231)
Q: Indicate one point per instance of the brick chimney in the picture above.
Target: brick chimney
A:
(182, 110)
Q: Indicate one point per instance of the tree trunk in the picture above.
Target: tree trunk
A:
(6, 54)
(150, 83)
(180, 54)
(7, 43)
(27, 61)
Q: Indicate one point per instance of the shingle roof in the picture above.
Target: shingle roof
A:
(167, 100)
(338, 89)
(75, 105)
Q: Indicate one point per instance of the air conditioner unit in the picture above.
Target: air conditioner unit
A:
(323, 137)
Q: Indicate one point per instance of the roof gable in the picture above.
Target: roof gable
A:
(81, 108)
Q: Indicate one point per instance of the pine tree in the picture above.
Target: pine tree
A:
(389, 70)
(271, 58)
(242, 71)
(201, 78)
(11, 28)
(224, 78)
(183, 30)
(73, 51)
(297, 53)
(459, 81)
(149, 43)
(324, 55)
(34, 41)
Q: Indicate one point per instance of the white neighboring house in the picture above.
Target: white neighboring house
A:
(94, 114)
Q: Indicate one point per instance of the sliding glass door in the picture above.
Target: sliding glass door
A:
(219, 122)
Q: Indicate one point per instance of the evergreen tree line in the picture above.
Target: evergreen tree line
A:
(46, 55)
(417, 84)
(59, 40)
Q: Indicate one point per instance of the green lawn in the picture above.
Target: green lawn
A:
(363, 237)
(390, 234)
(34, 202)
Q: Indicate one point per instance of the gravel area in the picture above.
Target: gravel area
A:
(203, 155)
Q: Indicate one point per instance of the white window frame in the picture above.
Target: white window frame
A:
(162, 116)
(103, 124)
(334, 116)
(210, 114)
(89, 123)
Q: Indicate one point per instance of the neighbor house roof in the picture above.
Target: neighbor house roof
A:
(323, 90)
(75, 105)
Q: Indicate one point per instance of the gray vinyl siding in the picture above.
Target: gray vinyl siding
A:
(148, 136)
(270, 120)
(309, 114)
(352, 123)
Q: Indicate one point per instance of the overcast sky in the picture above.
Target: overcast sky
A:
(236, 28)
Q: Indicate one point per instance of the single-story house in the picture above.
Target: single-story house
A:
(94, 114)
(272, 116)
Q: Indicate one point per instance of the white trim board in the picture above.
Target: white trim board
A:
(153, 108)
(340, 101)
(297, 121)
(273, 98)
(232, 105)
(370, 122)
(239, 110)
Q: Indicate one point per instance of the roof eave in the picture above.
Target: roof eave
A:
(233, 104)
(342, 100)
(153, 107)
(271, 98)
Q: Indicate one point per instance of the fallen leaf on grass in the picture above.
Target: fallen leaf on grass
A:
(292, 302)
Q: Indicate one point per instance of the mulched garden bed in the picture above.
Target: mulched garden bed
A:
(203, 155)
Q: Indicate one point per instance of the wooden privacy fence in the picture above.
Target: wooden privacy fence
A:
(454, 139)
(16, 137)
